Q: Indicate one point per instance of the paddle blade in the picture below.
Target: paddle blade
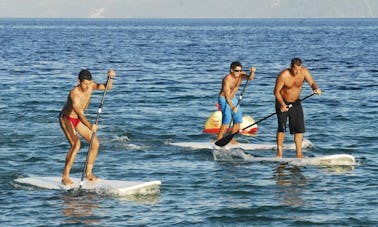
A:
(225, 140)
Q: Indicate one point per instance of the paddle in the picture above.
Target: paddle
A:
(239, 101)
(93, 133)
(225, 140)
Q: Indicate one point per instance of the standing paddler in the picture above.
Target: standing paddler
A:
(74, 122)
(228, 101)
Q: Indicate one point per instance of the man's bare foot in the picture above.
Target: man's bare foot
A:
(233, 141)
(300, 156)
(91, 177)
(66, 181)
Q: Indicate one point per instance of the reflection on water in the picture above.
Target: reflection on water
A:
(290, 181)
(338, 169)
(82, 207)
(230, 155)
(79, 208)
(142, 199)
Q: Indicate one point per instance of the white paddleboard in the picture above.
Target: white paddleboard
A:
(112, 187)
(243, 146)
(327, 160)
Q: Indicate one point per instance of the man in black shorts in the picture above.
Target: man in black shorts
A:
(287, 91)
(295, 115)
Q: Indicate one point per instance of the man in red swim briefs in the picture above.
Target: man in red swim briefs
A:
(73, 122)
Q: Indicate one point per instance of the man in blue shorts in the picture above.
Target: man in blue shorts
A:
(287, 91)
(227, 98)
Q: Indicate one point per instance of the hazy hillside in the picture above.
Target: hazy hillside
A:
(319, 8)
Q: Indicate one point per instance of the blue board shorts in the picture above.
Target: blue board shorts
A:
(227, 113)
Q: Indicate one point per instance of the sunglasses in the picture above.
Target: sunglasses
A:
(238, 71)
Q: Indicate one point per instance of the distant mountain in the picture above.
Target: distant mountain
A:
(190, 9)
(320, 8)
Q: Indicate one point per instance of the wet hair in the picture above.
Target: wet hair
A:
(85, 75)
(296, 61)
(235, 64)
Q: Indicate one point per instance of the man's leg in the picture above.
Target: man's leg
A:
(92, 158)
(70, 158)
(222, 131)
(235, 128)
(298, 138)
(280, 140)
(281, 129)
(86, 133)
(74, 141)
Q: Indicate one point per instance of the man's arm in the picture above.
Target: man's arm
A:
(251, 75)
(280, 83)
(310, 80)
(101, 87)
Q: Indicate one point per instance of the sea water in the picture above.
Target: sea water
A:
(169, 74)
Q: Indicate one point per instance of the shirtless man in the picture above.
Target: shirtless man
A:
(73, 122)
(287, 91)
(227, 100)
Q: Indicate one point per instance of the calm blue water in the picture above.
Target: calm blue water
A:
(168, 77)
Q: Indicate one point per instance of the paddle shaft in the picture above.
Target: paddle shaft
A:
(93, 133)
(225, 140)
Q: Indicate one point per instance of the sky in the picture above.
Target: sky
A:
(188, 8)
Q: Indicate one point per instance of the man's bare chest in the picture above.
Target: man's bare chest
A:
(234, 84)
(83, 99)
(294, 82)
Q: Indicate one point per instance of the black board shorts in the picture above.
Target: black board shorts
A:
(295, 115)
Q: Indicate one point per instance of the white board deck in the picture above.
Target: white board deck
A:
(243, 146)
(327, 160)
(112, 187)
